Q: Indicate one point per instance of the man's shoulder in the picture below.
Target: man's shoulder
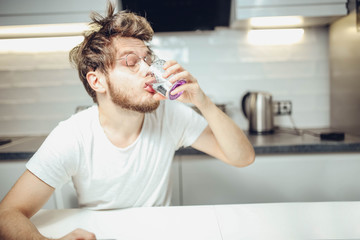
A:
(82, 120)
(89, 113)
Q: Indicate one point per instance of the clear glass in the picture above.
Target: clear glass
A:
(163, 85)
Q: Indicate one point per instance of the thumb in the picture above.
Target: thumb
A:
(79, 234)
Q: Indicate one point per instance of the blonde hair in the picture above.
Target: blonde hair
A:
(97, 52)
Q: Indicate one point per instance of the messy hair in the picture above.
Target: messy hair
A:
(97, 52)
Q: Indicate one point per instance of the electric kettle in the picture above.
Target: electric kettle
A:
(258, 109)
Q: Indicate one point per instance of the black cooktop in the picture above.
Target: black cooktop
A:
(4, 141)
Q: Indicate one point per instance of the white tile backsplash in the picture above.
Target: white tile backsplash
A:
(39, 90)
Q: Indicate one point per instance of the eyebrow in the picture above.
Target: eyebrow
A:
(123, 53)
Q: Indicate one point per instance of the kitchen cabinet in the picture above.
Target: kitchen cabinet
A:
(10, 171)
(203, 180)
(312, 12)
(306, 8)
(271, 178)
(288, 168)
(175, 182)
(19, 12)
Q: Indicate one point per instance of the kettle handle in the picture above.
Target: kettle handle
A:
(243, 103)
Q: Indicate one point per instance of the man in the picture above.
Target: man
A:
(118, 153)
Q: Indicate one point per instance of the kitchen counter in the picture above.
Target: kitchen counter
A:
(287, 141)
(281, 142)
(313, 220)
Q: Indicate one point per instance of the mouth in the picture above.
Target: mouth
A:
(148, 86)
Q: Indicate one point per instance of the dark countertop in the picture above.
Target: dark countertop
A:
(286, 141)
(281, 142)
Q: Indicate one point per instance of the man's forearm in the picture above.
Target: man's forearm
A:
(231, 139)
(15, 225)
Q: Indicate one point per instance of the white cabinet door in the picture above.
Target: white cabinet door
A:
(10, 171)
(245, 9)
(273, 178)
(279, 3)
(175, 182)
(20, 12)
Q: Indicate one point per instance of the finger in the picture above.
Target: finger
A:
(182, 76)
(169, 63)
(173, 69)
(83, 234)
(179, 89)
(80, 234)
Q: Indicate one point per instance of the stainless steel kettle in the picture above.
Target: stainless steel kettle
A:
(258, 109)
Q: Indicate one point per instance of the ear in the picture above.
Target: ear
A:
(96, 81)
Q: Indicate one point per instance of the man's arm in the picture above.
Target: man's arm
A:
(25, 198)
(223, 139)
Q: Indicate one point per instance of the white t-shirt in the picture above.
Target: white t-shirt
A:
(108, 177)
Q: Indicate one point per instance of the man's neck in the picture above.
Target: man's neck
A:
(122, 127)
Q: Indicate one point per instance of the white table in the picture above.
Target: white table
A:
(323, 220)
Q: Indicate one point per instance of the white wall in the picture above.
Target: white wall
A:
(37, 90)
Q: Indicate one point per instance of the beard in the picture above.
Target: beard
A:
(123, 100)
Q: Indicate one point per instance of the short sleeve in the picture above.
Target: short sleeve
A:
(184, 124)
(57, 158)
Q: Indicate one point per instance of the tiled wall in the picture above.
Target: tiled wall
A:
(40, 89)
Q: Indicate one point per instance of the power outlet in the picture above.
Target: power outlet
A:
(282, 108)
